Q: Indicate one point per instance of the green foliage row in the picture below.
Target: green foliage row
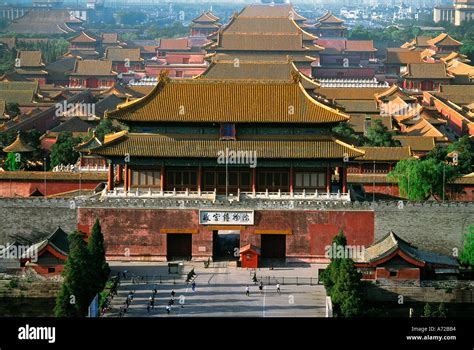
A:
(418, 179)
(441, 311)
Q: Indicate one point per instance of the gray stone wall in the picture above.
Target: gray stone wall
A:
(432, 226)
(33, 217)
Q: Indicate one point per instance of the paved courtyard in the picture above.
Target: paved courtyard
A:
(220, 292)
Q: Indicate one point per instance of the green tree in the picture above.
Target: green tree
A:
(345, 294)
(12, 163)
(418, 179)
(441, 311)
(13, 109)
(65, 303)
(78, 289)
(330, 274)
(438, 153)
(99, 267)
(465, 149)
(378, 135)
(105, 127)
(345, 130)
(467, 254)
(427, 312)
(63, 151)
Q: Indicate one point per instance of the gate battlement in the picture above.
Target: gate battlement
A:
(246, 202)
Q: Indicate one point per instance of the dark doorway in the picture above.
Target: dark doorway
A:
(273, 246)
(179, 246)
(226, 245)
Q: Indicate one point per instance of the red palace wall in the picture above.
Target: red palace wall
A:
(26, 188)
(137, 234)
(402, 274)
(388, 189)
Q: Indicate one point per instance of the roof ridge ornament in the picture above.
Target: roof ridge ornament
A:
(295, 76)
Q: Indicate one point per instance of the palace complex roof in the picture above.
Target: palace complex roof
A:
(227, 101)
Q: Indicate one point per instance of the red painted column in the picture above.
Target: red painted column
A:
(344, 179)
(125, 182)
(291, 179)
(129, 180)
(162, 178)
(110, 178)
(328, 179)
(119, 173)
(254, 180)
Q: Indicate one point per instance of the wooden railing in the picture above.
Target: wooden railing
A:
(212, 195)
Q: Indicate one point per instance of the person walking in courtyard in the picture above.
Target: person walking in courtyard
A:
(247, 291)
(278, 288)
(168, 309)
(260, 286)
(193, 286)
(172, 294)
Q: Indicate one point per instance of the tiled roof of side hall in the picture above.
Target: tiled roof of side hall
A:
(83, 37)
(93, 67)
(206, 17)
(392, 243)
(18, 146)
(122, 55)
(329, 17)
(109, 38)
(417, 143)
(351, 93)
(201, 100)
(385, 153)
(444, 39)
(403, 57)
(29, 59)
(427, 70)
